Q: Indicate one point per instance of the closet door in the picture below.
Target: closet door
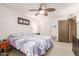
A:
(63, 31)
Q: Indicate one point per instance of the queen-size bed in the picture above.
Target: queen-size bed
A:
(30, 44)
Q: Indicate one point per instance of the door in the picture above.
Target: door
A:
(63, 31)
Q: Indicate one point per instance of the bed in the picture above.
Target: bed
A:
(30, 44)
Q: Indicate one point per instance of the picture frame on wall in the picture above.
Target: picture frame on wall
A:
(23, 21)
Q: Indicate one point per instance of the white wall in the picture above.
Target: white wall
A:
(8, 22)
(78, 25)
(40, 23)
(78, 28)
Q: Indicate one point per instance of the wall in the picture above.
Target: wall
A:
(8, 22)
(41, 24)
(78, 25)
(78, 28)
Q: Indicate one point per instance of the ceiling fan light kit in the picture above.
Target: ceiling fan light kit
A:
(45, 14)
(42, 12)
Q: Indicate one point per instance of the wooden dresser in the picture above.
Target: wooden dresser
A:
(75, 46)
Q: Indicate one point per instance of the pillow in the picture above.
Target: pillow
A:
(22, 34)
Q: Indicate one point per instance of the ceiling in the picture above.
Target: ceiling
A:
(24, 7)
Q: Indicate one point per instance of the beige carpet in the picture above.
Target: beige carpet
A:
(59, 49)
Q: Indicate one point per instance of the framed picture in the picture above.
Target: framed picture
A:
(23, 21)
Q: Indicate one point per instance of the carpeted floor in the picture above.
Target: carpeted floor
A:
(59, 49)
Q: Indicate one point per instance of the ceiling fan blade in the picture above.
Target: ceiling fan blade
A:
(34, 10)
(50, 9)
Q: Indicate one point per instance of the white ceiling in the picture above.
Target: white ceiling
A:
(24, 7)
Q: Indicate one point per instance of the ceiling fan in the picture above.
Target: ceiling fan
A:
(43, 10)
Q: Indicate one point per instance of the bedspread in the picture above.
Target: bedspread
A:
(31, 45)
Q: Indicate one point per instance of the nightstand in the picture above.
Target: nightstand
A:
(4, 47)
